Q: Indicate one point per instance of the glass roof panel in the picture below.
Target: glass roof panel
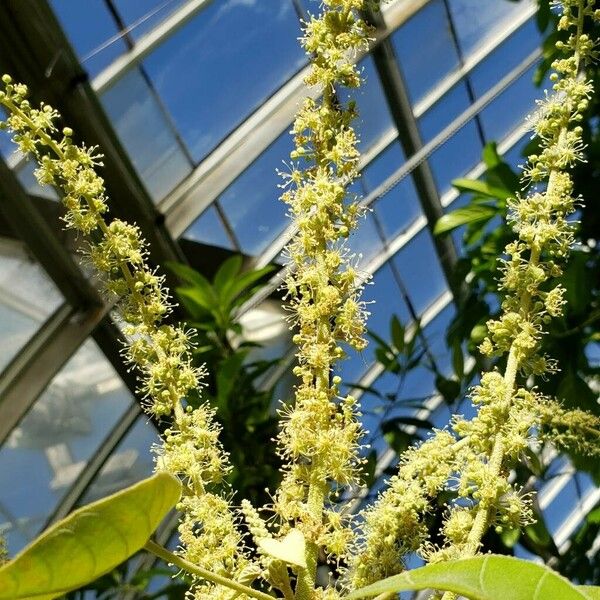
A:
(23, 168)
(382, 166)
(55, 440)
(140, 16)
(251, 202)
(475, 20)
(234, 55)
(131, 461)
(366, 241)
(429, 32)
(383, 300)
(146, 134)
(416, 387)
(91, 29)
(208, 229)
(520, 96)
(398, 207)
(420, 271)
(27, 298)
(505, 57)
(462, 151)
(374, 118)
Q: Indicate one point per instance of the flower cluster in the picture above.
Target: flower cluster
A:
(160, 352)
(320, 435)
(478, 459)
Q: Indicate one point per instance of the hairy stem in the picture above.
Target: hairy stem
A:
(173, 559)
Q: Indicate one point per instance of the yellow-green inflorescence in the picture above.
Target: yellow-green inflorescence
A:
(474, 460)
(160, 352)
(320, 436)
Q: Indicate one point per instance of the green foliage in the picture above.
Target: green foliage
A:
(484, 578)
(234, 382)
(90, 541)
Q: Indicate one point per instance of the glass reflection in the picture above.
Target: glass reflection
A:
(234, 55)
(52, 444)
(27, 298)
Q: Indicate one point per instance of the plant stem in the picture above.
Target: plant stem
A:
(484, 513)
(173, 559)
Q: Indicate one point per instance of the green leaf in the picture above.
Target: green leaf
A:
(482, 578)
(187, 274)
(474, 186)
(397, 331)
(90, 541)
(592, 592)
(462, 216)
(448, 388)
(227, 273)
(204, 297)
(490, 155)
(241, 286)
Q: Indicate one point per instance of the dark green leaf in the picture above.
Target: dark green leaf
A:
(412, 421)
(448, 388)
(397, 332)
(89, 542)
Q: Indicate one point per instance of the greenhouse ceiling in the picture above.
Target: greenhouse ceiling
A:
(191, 103)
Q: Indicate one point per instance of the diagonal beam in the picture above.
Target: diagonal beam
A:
(34, 49)
(396, 93)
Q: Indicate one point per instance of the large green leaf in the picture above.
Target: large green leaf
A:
(481, 188)
(89, 542)
(462, 216)
(592, 592)
(487, 577)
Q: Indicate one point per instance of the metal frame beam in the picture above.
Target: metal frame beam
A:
(409, 136)
(30, 372)
(146, 44)
(34, 49)
(213, 175)
(252, 138)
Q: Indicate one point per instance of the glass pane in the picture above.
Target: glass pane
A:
(146, 134)
(374, 117)
(208, 229)
(131, 461)
(27, 298)
(520, 96)
(23, 168)
(474, 20)
(383, 300)
(216, 70)
(463, 150)
(399, 206)
(365, 242)
(54, 441)
(140, 16)
(89, 25)
(425, 49)
(251, 202)
(420, 270)
(382, 166)
(505, 58)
